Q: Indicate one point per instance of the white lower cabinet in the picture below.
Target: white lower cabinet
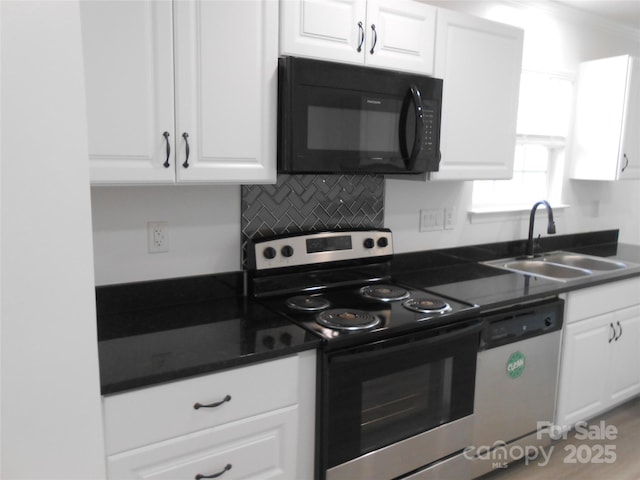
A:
(255, 422)
(263, 447)
(600, 364)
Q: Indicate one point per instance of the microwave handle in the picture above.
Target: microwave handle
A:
(419, 130)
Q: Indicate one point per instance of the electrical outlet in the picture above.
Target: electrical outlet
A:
(158, 237)
(449, 218)
(431, 219)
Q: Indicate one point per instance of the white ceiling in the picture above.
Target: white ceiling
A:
(624, 12)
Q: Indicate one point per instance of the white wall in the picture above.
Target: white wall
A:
(203, 230)
(51, 410)
(554, 41)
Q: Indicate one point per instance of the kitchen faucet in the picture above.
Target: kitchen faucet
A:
(551, 226)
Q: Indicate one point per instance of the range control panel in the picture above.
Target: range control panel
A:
(319, 247)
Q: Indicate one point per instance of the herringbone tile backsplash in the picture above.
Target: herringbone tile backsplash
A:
(299, 203)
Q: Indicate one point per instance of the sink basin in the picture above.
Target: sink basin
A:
(560, 266)
(584, 261)
(543, 268)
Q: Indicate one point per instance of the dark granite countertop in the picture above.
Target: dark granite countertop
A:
(456, 272)
(154, 332)
(159, 331)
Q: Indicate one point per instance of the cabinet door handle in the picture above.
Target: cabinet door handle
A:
(214, 475)
(626, 162)
(613, 331)
(212, 405)
(619, 334)
(166, 163)
(375, 38)
(185, 135)
(361, 28)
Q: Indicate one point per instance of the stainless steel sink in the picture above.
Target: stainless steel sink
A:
(560, 266)
(543, 268)
(584, 261)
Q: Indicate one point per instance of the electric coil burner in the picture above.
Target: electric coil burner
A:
(427, 305)
(347, 319)
(307, 303)
(384, 293)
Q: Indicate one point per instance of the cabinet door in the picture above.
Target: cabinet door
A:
(325, 29)
(401, 35)
(606, 124)
(480, 62)
(128, 56)
(262, 447)
(629, 154)
(584, 369)
(226, 87)
(624, 373)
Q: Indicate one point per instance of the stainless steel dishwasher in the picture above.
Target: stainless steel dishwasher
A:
(516, 381)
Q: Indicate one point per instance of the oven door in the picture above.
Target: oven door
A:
(384, 393)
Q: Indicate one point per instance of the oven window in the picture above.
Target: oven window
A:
(376, 395)
(396, 405)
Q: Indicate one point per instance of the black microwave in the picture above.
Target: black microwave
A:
(339, 118)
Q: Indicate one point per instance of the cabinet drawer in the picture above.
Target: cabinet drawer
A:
(601, 299)
(262, 447)
(149, 415)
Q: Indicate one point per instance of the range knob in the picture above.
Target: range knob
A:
(287, 250)
(368, 243)
(383, 242)
(269, 253)
(269, 342)
(286, 339)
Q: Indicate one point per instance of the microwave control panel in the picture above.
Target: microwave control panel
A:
(430, 116)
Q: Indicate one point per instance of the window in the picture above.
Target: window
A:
(543, 119)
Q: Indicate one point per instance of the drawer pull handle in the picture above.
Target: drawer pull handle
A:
(213, 405)
(215, 475)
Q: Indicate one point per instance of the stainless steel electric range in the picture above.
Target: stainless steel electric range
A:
(397, 364)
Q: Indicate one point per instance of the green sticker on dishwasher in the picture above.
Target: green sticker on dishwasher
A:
(515, 364)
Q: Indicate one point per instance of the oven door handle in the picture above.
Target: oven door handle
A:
(382, 350)
(413, 95)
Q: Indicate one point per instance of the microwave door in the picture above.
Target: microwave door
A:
(408, 119)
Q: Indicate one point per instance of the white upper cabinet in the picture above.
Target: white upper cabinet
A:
(606, 144)
(394, 34)
(480, 62)
(224, 96)
(128, 57)
(226, 90)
